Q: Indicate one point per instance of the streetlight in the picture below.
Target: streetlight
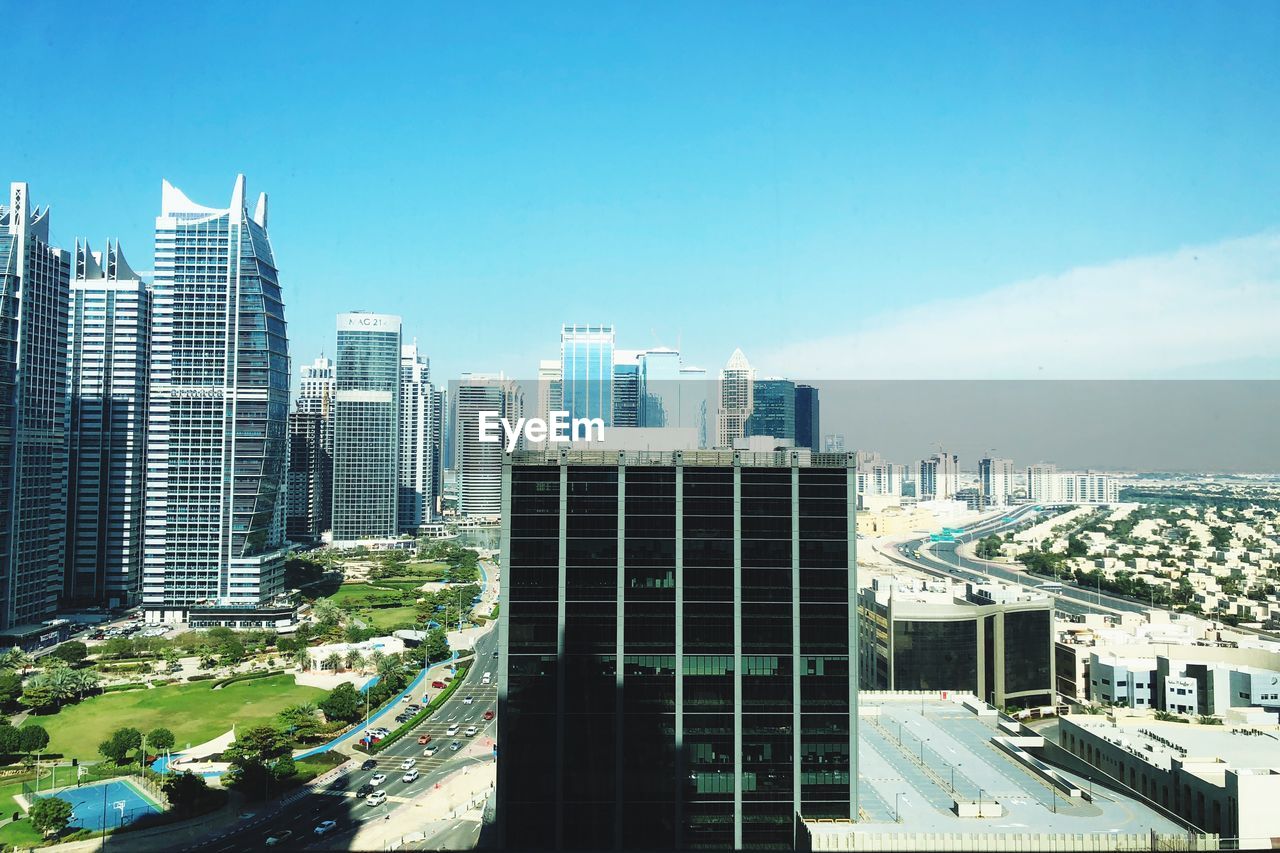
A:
(897, 815)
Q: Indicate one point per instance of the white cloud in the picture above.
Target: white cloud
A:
(1155, 317)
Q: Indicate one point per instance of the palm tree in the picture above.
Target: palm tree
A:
(171, 657)
(86, 681)
(389, 664)
(53, 664)
(302, 657)
(16, 658)
(333, 661)
(63, 684)
(355, 660)
(375, 659)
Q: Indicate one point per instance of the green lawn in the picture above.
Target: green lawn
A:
(194, 713)
(20, 834)
(387, 617)
(356, 593)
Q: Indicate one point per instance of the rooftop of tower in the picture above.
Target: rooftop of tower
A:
(688, 458)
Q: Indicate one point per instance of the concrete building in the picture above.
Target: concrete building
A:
(366, 425)
(217, 420)
(992, 640)
(995, 481)
(550, 388)
(109, 330)
(586, 371)
(316, 385)
(416, 500)
(1089, 488)
(1043, 485)
(478, 465)
(938, 477)
(678, 639)
(1223, 780)
(737, 386)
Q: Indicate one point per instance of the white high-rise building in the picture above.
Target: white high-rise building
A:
(1089, 487)
(366, 427)
(315, 391)
(417, 433)
(995, 481)
(217, 419)
(550, 388)
(586, 371)
(939, 477)
(34, 290)
(107, 389)
(1043, 483)
(477, 464)
(737, 383)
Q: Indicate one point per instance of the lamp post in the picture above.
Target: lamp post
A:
(897, 815)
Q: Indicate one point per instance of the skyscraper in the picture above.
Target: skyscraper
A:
(586, 370)
(306, 495)
(736, 388)
(808, 426)
(417, 431)
(939, 477)
(366, 427)
(995, 481)
(477, 464)
(439, 432)
(1043, 483)
(626, 388)
(217, 420)
(109, 327)
(681, 642)
(550, 388)
(773, 409)
(315, 391)
(34, 291)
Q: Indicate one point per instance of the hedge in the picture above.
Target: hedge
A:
(203, 676)
(417, 718)
(247, 676)
(113, 688)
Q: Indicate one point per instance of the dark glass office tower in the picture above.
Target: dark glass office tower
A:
(808, 423)
(678, 630)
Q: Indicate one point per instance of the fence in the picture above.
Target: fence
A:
(837, 836)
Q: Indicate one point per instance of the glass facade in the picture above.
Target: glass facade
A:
(930, 655)
(218, 410)
(366, 427)
(808, 424)
(586, 370)
(1028, 657)
(691, 687)
(774, 409)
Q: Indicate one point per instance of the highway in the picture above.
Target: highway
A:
(338, 801)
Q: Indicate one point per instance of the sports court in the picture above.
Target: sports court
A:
(113, 804)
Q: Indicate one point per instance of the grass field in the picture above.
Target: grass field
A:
(387, 617)
(194, 713)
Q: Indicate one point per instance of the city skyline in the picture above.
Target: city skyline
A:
(862, 180)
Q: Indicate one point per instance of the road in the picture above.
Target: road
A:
(339, 802)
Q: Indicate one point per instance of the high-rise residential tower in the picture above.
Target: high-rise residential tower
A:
(478, 464)
(626, 388)
(586, 370)
(366, 427)
(108, 340)
(218, 411)
(939, 477)
(315, 397)
(416, 502)
(305, 490)
(680, 634)
(1043, 483)
(737, 382)
(315, 390)
(34, 292)
(550, 388)
(995, 481)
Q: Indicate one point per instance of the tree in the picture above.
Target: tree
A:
(300, 721)
(122, 743)
(437, 644)
(17, 658)
(302, 657)
(50, 815)
(172, 659)
(160, 739)
(988, 547)
(259, 757)
(32, 738)
(327, 615)
(72, 652)
(208, 660)
(10, 688)
(9, 739)
(63, 683)
(38, 696)
(333, 661)
(185, 790)
(342, 703)
(231, 652)
(117, 647)
(354, 659)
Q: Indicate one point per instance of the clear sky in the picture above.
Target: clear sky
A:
(707, 175)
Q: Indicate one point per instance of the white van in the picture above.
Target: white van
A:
(485, 679)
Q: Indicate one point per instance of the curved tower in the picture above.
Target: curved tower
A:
(217, 427)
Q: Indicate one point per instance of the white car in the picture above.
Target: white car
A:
(325, 827)
(429, 751)
(378, 779)
(408, 763)
(411, 776)
(467, 701)
(453, 730)
(377, 798)
(471, 731)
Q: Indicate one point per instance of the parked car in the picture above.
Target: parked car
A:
(438, 685)
(424, 739)
(325, 827)
(377, 798)
(411, 776)
(488, 715)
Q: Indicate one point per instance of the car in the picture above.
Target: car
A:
(414, 708)
(471, 731)
(369, 764)
(424, 739)
(365, 790)
(488, 715)
(429, 751)
(488, 675)
(405, 698)
(495, 654)
(438, 685)
(408, 763)
(468, 700)
(411, 776)
(377, 798)
(325, 827)
(456, 745)
(377, 779)
(453, 730)
(277, 838)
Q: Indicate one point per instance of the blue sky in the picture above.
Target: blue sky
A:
(712, 175)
